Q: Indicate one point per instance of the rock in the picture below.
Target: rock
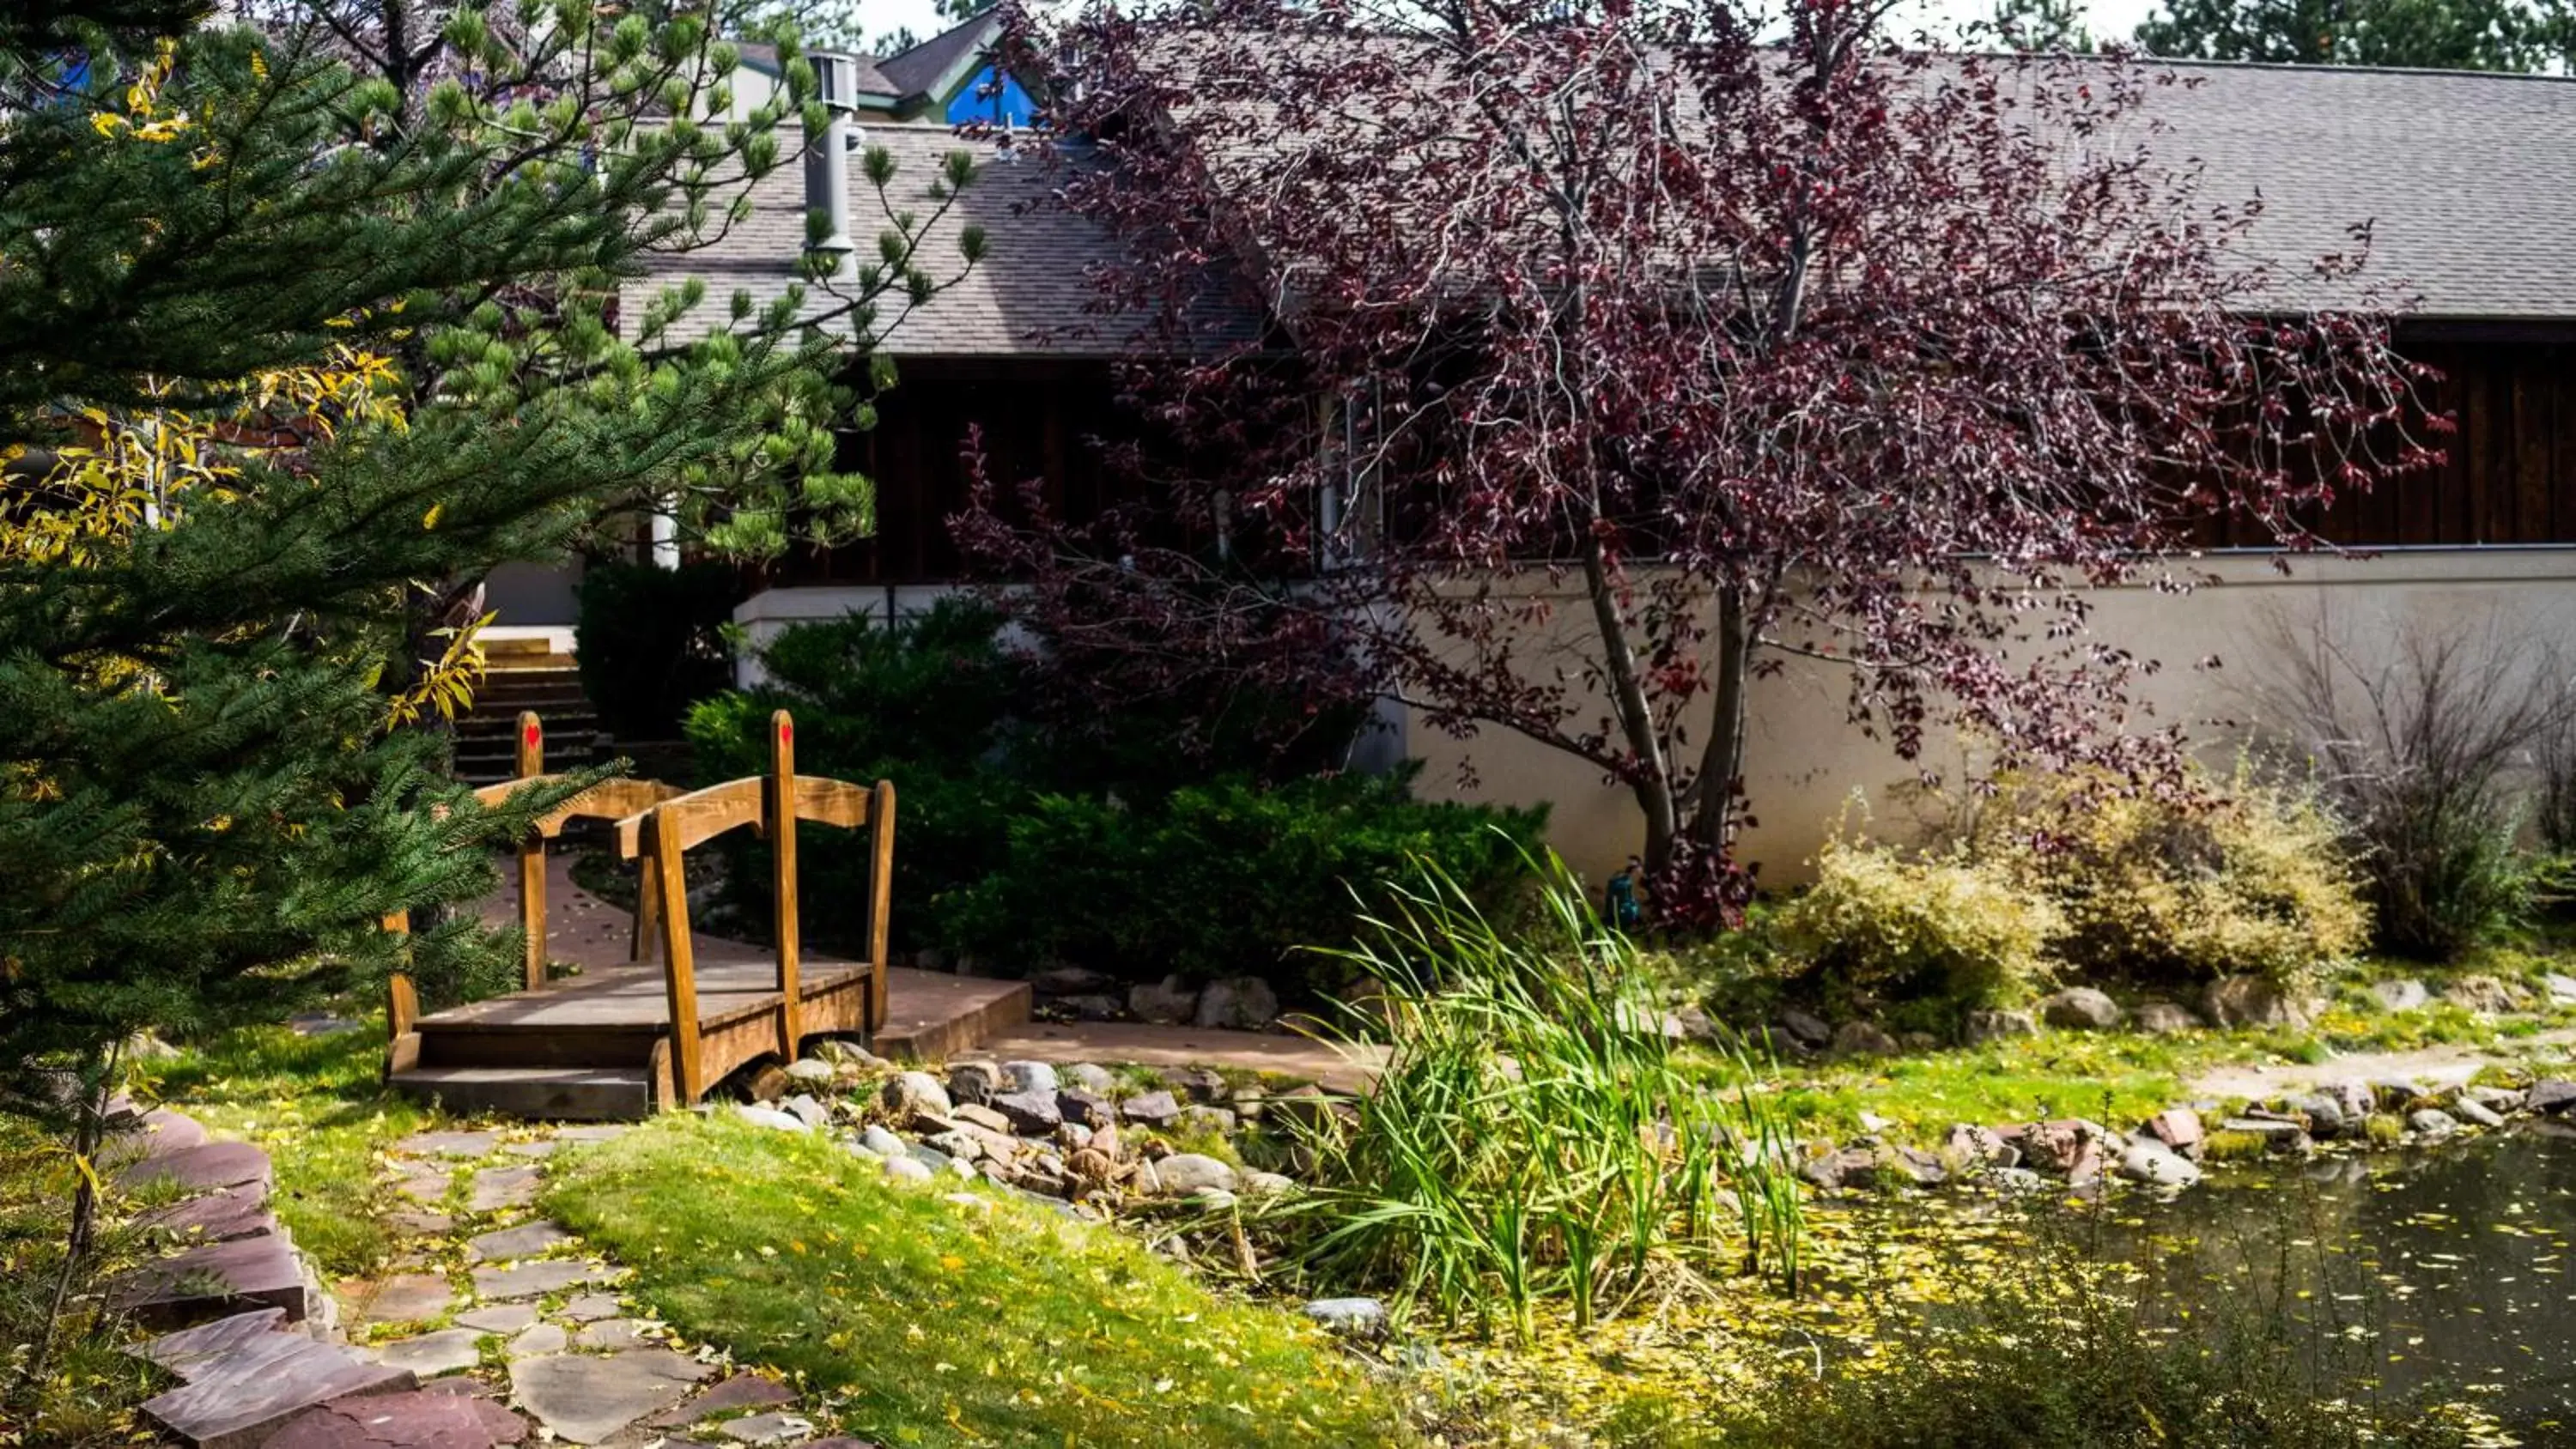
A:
(2069, 1146)
(2500, 1099)
(1072, 981)
(985, 1115)
(1032, 1077)
(881, 1142)
(534, 1280)
(588, 1397)
(2551, 1096)
(2432, 1122)
(974, 1083)
(808, 1111)
(2482, 994)
(537, 1340)
(1031, 1112)
(2233, 1001)
(1267, 1184)
(1860, 1039)
(2276, 1134)
(2560, 986)
(1172, 1002)
(2163, 1018)
(1805, 1028)
(770, 1428)
(742, 1391)
(767, 1083)
(2470, 1109)
(1151, 1109)
(1969, 1145)
(1355, 1317)
(907, 1169)
(495, 1188)
(2354, 1099)
(448, 1144)
(912, 1094)
(841, 1053)
(1847, 1167)
(1085, 1107)
(449, 1350)
(1093, 1008)
(1184, 1173)
(811, 1072)
(1980, 1027)
(1198, 1084)
(2395, 1093)
(206, 1167)
(2080, 1008)
(1087, 1076)
(610, 1333)
(1911, 1165)
(1694, 1024)
(2157, 1165)
(770, 1117)
(1240, 1003)
(402, 1298)
(500, 1318)
(2403, 993)
(2176, 1128)
(1203, 1121)
(2326, 1120)
(958, 1142)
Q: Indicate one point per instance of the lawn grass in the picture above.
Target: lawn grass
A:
(317, 1105)
(88, 1394)
(929, 1323)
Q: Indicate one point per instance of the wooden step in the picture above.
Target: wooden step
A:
(242, 1380)
(480, 1044)
(567, 1094)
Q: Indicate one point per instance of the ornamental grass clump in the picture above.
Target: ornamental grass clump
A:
(1881, 926)
(1531, 1137)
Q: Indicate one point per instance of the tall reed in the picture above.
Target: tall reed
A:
(1531, 1136)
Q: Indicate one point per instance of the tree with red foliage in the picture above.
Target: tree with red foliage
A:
(1650, 354)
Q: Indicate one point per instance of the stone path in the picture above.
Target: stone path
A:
(493, 1327)
(2434, 1067)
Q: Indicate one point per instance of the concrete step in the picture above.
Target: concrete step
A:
(242, 1379)
(555, 1094)
(930, 1014)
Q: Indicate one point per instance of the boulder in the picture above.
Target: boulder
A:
(1695, 1024)
(845, 1053)
(1032, 1077)
(913, 1094)
(2482, 994)
(1089, 1076)
(1848, 1167)
(907, 1169)
(982, 1115)
(2176, 1128)
(1860, 1039)
(1032, 1113)
(2432, 1122)
(806, 1110)
(771, 1117)
(2163, 1018)
(2277, 1134)
(2469, 1109)
(2157, 1165)
(1184, 1173)
(2500, 1099)
(1196, 1119)
(2551, 1096)
(1171, 1002)
(2561, 988)
(2080, 1008)
(1980, 1027)
(1151, 1109)
(974, 1082)
(2354, 1099)
(1086, 1108)
(2395, 1094)
(1268, 1184)
(1199, 1084)
(1240, 1003)
(1072, 981)
(881, 1142)
(2401, 993)
(811, 1071)
(1093, 1008)
(1805, 1028)
(1969, 1145)
(1355, 1317)
(2326, 1119)
(2233, 1001)
(1911, 1165)
(2067, 1145)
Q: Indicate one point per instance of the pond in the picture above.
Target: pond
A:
(2452, 1267)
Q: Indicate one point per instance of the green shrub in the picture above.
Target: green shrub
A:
(2244, 879)
(652, 641)
(1879, 927)
(1221, 878)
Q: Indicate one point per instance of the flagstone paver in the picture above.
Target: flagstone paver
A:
(449, 1144)
(538, 1340)
(214, 1217)
(428, 1186)
(742, 1391)
(402, 1298)
(499, 1318)
(449, 1350)
(527, 1240)
(495, 1188)
(592, 1307)
(542, 1147)
(770, 1428)
(426, 1419)
(245, 1273)
(609, 1333)
(206, 1167)
(588, 1397)
(532, 1280)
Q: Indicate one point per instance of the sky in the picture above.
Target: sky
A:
(2108, 19)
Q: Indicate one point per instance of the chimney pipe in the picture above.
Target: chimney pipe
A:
(827, 159)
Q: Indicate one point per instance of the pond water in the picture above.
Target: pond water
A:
(2454, 1267)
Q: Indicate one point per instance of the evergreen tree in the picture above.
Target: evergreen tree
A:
(296, 321)
(2505, 35)
(2039, 25)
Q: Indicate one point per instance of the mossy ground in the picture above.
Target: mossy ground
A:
(929, 1322)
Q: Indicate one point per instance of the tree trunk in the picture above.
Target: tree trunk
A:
(1651, 780)
(97, 1079)
(1721, 769)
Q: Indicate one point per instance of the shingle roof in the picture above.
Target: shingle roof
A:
(916, 71)
(2470, 178)
(1027, 297)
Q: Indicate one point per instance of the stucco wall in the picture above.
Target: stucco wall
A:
(1807, 764)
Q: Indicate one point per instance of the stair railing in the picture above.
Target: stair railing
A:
(770, 806)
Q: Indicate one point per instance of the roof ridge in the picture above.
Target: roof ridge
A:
(2302, 67)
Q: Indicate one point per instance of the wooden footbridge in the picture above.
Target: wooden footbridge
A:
(640, 1037)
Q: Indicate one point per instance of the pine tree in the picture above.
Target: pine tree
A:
(297, 322)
